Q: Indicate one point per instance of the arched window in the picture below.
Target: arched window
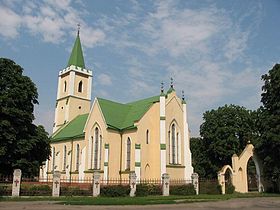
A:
(128, 153)
(65, 86)
(100, 149)
(91, 152)
(80, 87)
(77, 157)
(177, 148)
(147, 137)
(96, 145)
(64, 157)
(173, 144)
(53, 157)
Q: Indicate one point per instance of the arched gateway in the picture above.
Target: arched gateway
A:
(238, 171)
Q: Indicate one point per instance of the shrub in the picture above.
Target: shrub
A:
(209, 187)
(5, 190)
(115, 190)
(74, 191)
(230, 188)
(148, 189)
(186, 189)
(42, 189)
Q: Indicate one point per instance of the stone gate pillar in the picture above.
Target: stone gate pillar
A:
(195, 182)
(16, 182)
(165, 184)
(96, 184)
(132, 183)
(56, 184)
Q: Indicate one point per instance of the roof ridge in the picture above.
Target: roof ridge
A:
(143, 99)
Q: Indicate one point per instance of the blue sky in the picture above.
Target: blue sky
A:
(216, 51)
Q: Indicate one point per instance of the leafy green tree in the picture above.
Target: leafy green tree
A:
(224, 132)
(200, 161)
(269, 126)
(22, 144)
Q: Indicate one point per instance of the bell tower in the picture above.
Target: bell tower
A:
(74, 88)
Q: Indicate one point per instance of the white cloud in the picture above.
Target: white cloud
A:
(52, 20)
(104, 79)
(10, 22)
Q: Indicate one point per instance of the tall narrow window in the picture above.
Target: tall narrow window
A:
(128, 153)
(177, 148)
(77, 157)
(173, 143)
(65, 86)
(100, 149)
(91, 152)
(96, 148)
(80, 87)
(53, 157)
(147, 137)
(64, 157)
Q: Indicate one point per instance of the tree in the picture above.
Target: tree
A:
(200, 162)
(22, 144)
(268, 148)
(224, 132)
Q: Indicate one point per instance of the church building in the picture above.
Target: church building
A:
(149, 136)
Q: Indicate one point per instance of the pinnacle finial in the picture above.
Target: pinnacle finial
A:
(183, 95)
(171, 82)
(78, 27)
(161, 87)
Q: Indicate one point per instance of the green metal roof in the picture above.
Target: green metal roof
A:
(76, 57)
(117, 116)
(123, 116)
(72, 130)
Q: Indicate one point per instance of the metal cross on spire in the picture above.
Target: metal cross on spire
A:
(162, 87)
(171, 82)
(78, 27)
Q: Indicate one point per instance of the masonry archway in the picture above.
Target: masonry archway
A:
(239, 170)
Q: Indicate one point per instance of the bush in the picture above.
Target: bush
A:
(186, 189)
(27, 189)
(74, 191)
(5, 190)
(210, 187)
(148, 189)
(115, 190)
(230, 188)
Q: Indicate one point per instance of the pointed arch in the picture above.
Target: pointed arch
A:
(174, 136)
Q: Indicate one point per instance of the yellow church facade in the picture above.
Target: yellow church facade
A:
(149, 137)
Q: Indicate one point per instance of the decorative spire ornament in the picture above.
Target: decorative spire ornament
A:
(183, 95)
(78, 27)
(171, 82)
(162, 87)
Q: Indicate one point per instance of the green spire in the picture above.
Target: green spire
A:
(77, 58)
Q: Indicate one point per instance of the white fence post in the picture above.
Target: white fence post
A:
(132, 183)
(56, 184)
(96, 184)
(165, 184)
(16, 183)
(195, 182)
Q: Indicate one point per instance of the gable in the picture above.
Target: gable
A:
(123, 116)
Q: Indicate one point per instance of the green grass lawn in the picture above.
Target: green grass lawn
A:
(137, 200)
